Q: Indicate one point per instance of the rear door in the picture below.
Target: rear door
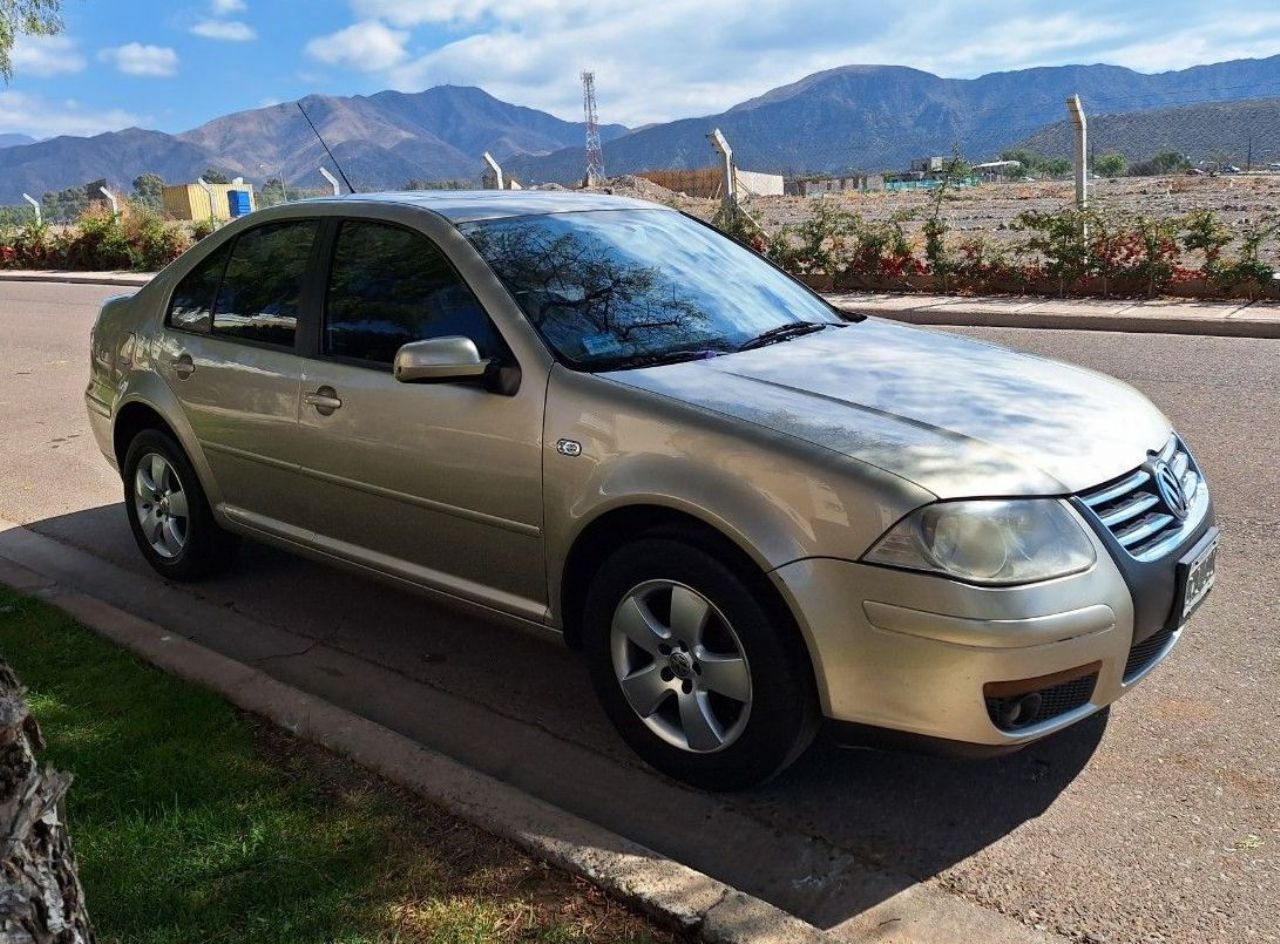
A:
(230, 354)
(441, 483)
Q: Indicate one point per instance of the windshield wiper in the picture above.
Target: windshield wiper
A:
(784, 332)
(657, 358)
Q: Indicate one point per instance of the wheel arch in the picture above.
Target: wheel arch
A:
(151, 405)
(618, 526)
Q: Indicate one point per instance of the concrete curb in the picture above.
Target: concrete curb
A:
(122, 279)
(1232, 321)
(671, 893)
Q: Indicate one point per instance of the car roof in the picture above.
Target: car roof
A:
(462, 206)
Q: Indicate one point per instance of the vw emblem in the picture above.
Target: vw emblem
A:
(1170, 488)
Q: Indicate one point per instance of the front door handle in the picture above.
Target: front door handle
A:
(183, 366)
(325, 400)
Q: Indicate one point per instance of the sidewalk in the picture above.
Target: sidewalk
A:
(126, 279)
(1155, 315)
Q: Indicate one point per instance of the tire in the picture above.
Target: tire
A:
(731, 699)
(168, 512)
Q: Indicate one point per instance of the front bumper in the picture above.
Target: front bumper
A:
(929, 656)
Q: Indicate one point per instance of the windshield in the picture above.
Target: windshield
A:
(617, 288)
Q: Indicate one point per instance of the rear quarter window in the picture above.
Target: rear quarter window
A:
(191, 307)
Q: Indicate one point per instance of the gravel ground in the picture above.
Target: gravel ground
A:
(990, 208)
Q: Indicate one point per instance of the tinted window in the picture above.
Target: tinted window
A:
(261, 292)
(389, 286)
(192, 302)
(610, 286)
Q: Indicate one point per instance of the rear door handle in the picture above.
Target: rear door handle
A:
(325, 400)
(183, 366)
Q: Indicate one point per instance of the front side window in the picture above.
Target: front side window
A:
(617, 288)
(191, 308)
(261, 292)
(388, 287)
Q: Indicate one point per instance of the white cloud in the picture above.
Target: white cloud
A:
(223, 7)
(367, 46)
(137, 59)
(42, 118)
(230, 30)
(656, 60)
(43, 56)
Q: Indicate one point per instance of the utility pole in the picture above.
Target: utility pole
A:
(729, 195)
(333, 181)
(495, 170)
(111, 198)
(1248, 161)
(1076, 110)
(208, 192)
(595, 150)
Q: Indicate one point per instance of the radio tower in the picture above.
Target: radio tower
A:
(595, 150)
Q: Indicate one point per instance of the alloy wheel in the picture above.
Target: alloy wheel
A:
(680, 666)
(160, 502)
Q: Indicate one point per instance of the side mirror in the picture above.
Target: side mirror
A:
(439, 360)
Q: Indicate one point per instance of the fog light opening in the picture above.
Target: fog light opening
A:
(1020, 712)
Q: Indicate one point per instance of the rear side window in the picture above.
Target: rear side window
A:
(389, 286)
(191, 308)
(262, 289)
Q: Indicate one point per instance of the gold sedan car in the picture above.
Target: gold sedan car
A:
(602, 417)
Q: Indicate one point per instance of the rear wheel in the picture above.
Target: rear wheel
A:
(169, 513)
(702, 676)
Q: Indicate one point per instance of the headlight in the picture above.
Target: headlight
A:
(988, 542)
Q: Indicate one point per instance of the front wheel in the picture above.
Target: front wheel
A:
(701, 675)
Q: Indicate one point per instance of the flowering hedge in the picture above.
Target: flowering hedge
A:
(100, 240)
(1069, 252)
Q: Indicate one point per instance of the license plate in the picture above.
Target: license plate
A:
(1201, 573)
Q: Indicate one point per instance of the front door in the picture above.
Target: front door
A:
(440, 483)
(229, 355)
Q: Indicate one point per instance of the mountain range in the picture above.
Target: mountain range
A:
(855, 117)
(881, 117)
(381, 140)
(1241, 131)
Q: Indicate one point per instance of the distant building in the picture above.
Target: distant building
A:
(818, 186)
(220, 202)
(930, 165)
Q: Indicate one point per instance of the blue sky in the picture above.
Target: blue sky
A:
(171, 65)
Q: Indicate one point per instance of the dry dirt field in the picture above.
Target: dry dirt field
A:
(990, 208)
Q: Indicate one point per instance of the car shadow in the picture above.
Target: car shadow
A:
(841, 831)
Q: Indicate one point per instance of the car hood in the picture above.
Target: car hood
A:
(955, 416)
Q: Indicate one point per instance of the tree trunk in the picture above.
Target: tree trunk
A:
(41, 901)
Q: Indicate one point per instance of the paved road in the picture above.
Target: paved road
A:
(1157, 825)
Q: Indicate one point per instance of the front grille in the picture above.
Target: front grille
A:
(1015, 712)
(1143, 654)
(1133, 511)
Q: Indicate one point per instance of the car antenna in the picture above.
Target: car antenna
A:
(316, 131)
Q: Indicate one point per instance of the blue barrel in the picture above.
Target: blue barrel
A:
(239, 203)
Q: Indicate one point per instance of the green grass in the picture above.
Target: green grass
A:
(195, 823)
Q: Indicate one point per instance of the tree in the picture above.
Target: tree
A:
(273, 192)
(1058, 167)
(41, 898)
(148, 190)
(25, 17)
(214, 176)
(63, 206)
(1170, 162)
(1110, 165)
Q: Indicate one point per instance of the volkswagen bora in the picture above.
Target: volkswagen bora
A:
(749, 510)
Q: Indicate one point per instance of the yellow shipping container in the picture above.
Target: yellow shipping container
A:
(191, 202)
